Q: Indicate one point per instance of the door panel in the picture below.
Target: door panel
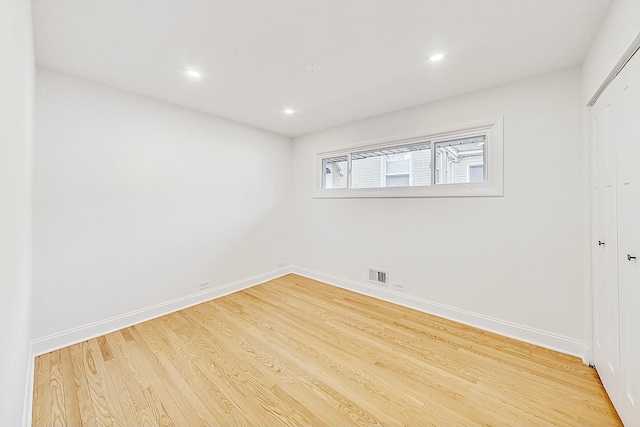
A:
(605, 268)
(628, 185)
(616, 222)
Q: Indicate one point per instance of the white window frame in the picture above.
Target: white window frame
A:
(493, 165)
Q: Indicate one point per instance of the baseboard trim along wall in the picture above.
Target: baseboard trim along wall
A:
(523, 333)
(28, 398)
(83, 333)
(512, 330)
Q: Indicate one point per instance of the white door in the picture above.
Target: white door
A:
(616, 232)
(605, 246)
(627, 84)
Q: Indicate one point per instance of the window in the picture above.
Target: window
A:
(464, 161)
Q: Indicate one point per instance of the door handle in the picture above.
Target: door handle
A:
(629, 257)
(600, 243)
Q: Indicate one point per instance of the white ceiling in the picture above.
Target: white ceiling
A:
(373, 54)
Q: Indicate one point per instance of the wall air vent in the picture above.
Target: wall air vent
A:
(378, 277)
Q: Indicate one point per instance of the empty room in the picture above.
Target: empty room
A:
(319, 212)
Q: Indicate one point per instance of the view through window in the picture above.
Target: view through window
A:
(457, 163)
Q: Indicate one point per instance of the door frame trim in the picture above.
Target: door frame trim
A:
(626, 57)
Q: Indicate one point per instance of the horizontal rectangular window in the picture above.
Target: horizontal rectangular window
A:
(458, 162)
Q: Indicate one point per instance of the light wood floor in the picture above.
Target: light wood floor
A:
(295, 351)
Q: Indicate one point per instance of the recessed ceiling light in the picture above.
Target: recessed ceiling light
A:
(289, 111)
(312, 68)
(193, 73)
(436, 57)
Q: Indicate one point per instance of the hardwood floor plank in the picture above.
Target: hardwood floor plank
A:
(58, 413)
(95, 382)
(119, 391)
(294, 351)
(42, 401)
(381, 354)
(343, 372)
(87, 413)
(278, 363)
(224, 401)
(187, 379)
(133, 401)
(70, 389)
(177, 377)
(247, 382)
(160, 381)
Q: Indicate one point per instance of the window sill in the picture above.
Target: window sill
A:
(441, 190)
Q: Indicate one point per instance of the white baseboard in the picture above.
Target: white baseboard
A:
(28, 398)
(523, 333)
(512, 330)
(83, 333)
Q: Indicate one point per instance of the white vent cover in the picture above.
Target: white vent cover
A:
(378, 276)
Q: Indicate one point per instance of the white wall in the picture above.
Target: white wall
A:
(522, 259)
(16, 111)
(136, 202)
(618, 31)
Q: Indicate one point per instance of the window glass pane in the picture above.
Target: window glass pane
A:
(460, 160)
(335, 172)
(420, 168)
(476, 173)
(398, 180)
(398, 163)
(402, 166)
(366, 172)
